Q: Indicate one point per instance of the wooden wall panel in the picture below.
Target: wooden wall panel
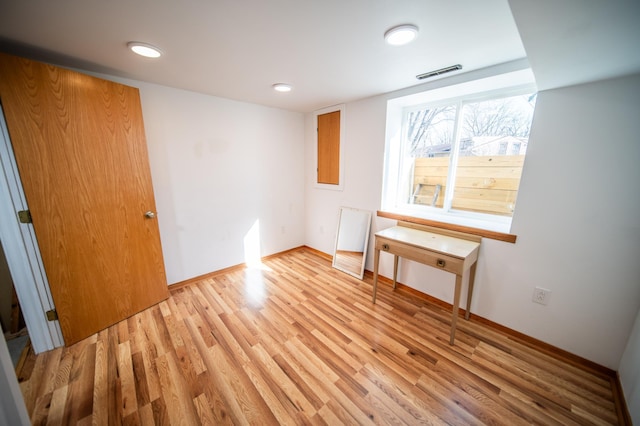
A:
(329, 148)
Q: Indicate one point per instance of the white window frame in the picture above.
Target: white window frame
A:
(499, 86)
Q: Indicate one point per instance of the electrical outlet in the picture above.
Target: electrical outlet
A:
(541, 295)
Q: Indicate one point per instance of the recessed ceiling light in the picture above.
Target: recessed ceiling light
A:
(282, 87)
(144, 49)
(402, 34)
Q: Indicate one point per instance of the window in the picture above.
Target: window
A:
(459, 159)
(329, 162)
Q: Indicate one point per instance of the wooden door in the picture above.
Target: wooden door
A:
(81, 152)
(329, 148)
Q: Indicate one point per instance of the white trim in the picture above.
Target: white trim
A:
(23, 254)
(342, 109)
(12, 408)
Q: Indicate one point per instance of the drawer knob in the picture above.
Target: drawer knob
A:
(441, 263)
(385, 247)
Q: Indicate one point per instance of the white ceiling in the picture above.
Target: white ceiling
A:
(331, 51)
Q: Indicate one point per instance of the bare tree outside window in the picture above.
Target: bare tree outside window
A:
(430, 129)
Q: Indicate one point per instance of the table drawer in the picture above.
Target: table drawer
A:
(407, 251)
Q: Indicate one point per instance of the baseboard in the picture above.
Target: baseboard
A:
(318, 253)
(181, 284)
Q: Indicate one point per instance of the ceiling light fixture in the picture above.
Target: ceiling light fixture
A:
(402, 34)
(144, 49)
(282, 87)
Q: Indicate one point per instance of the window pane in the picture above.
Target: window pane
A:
(429, 140)
(493, 140)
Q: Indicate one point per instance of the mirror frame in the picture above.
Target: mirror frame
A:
(367, 215)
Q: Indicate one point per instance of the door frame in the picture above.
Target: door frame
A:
(23, 254)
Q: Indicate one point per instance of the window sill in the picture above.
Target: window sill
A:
(494, 235)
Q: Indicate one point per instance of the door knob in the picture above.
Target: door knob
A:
(149, 215)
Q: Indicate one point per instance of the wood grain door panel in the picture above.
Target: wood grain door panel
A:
(329, 148)
(81, 152)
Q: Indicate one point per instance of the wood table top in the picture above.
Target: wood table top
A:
(432, 241)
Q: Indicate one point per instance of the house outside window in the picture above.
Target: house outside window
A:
(460, 159)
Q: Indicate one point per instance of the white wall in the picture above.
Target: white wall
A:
(582, 160)
(630, 372)
(218, 166)
(576, 219)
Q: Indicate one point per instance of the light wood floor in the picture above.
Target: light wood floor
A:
(301, 343)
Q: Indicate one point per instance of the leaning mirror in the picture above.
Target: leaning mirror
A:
(352, 239)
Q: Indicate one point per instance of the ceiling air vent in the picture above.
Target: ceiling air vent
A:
(439, 72)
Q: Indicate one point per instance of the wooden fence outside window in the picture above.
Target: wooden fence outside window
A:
(485, 184)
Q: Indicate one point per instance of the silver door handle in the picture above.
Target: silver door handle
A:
(150, 214)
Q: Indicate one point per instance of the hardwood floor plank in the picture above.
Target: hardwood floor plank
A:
(303, 386)
(175, 392)
(325, 416)
(170, 322)
(110, 377)
(525, 380)
(282, 408)
(295, 341)
(196, 322)
(81, 382)
(46, 366)
(123, 331)
(205, 415)
(146, 415)
(431, 410)
(127, 379)
(40, 411)
(140, 380)
(160, 415)
(480, 404)
(397, 408)
(538, 376)
(313, 384)
(534, 412)
(238, 390)
(282, 381)
(149, 356)
(188, 372)
(58, 404)
(217, 404)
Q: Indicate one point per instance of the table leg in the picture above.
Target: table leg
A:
(472, 276)
(376, 262)
(456, 305)
(395, 271)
